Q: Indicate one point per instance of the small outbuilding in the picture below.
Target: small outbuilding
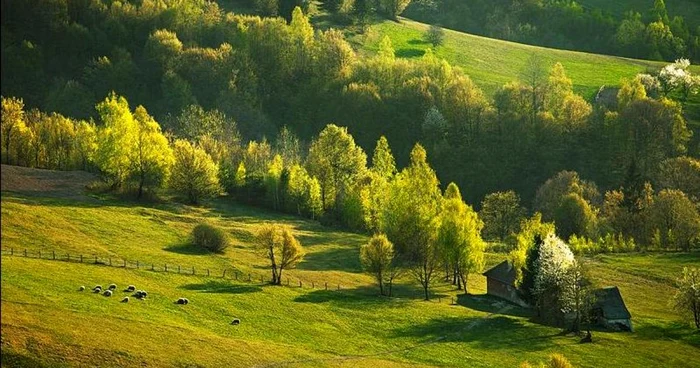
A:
(500, 282)
(610, 311)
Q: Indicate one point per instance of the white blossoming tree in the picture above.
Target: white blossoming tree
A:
(677, 76)
(553, 285)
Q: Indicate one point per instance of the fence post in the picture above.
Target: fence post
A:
(207, 272)
(95, 259)
(224, 275)
(287, 281)
(178, 268)
(338, 286)
(110, 261)
(166, 267)
(152, 267)
(81, 258)
(25, 252)
(12, 251)
(53, 254)
(193, 270)
(137, 265)
(248, 277)
(326, 286)
(312, 285)
(39, 254)
(299, 283)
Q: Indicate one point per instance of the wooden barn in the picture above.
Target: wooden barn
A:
(610, 311)
(500, 282)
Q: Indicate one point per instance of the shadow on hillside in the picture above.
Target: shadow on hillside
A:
(334, 259)
(676, 331)
(418, 41)
(359, 298)
(490, 304)
(186, 248)
(221, 287)
(409, 53)
(486, 333)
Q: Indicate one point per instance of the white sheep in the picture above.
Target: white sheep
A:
(125, 300)
(107, 293)
(112, 286)
(82, 288)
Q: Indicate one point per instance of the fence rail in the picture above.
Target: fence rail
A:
(227, 273)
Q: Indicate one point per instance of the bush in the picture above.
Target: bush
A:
(435, 35)
(210, 238)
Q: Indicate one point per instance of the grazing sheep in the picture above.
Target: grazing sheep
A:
(182, 301)
(96, 291)
(112, 286)
(82, 288)
(236, 322)
(125, 300)
(140, 294)
(97, 287)
(144, 293)
(130, 288)
(107, 293)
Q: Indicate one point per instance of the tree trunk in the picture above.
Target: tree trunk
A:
(138, 196)
(426, 281)
(279, 277)
(465, 277)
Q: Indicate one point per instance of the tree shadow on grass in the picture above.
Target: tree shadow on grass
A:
(676, 330)
(361, 298)
(340, 259)
(491, 304)
(187, 248)
(499, 332)
(222, 287)
(418, 41)
(409, 53)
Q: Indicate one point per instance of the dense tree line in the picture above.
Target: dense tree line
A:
(569, 25)
(221, 83)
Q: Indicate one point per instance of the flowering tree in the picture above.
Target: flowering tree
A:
(677, 76)
(687, 299)
(552, 290)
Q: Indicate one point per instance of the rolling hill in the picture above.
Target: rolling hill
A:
(492, 63)
(46, 321)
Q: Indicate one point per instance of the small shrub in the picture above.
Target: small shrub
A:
(435, 35)
(210, 238)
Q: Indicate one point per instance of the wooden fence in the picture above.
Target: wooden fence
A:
(227, 274)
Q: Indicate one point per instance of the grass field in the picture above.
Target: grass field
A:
(46, 321)
(492, 63)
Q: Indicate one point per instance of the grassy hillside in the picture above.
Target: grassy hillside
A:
(45, 320)
(491, 63)
(688, 9)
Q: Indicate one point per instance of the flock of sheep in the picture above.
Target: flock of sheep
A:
(138, 294)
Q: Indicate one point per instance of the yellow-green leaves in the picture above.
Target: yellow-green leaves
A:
(194, 174)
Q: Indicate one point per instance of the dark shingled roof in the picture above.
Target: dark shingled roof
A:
(609, 300)
(503, 272)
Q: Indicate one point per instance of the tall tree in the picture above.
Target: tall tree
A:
(194, 173)
(501, 213)
(280, 246)
(459, 236)
(687, 298)
(409, 217)
(153, 157)
(377, 258)
(117, 139)
(336, 161)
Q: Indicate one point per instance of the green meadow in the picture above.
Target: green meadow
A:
(46, 321)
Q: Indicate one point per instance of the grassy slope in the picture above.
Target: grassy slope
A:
(280, 323)
(491, 63)
(688, 9)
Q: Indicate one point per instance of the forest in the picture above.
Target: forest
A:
(278, 114)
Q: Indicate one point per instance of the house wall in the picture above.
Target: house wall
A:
(501, 290)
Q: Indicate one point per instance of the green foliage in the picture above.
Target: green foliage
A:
(687, 298)
(530, 230)
(459, 236)
(682, 173)
(210, 237)
(575, 216)
(377, 258)
(117, 140)
(677, 220)
(194, 174)
(435, 35)
(409, 217)
(152, 159)
(502, 214)
(335, 160)
(278, 244)
(394, 8)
